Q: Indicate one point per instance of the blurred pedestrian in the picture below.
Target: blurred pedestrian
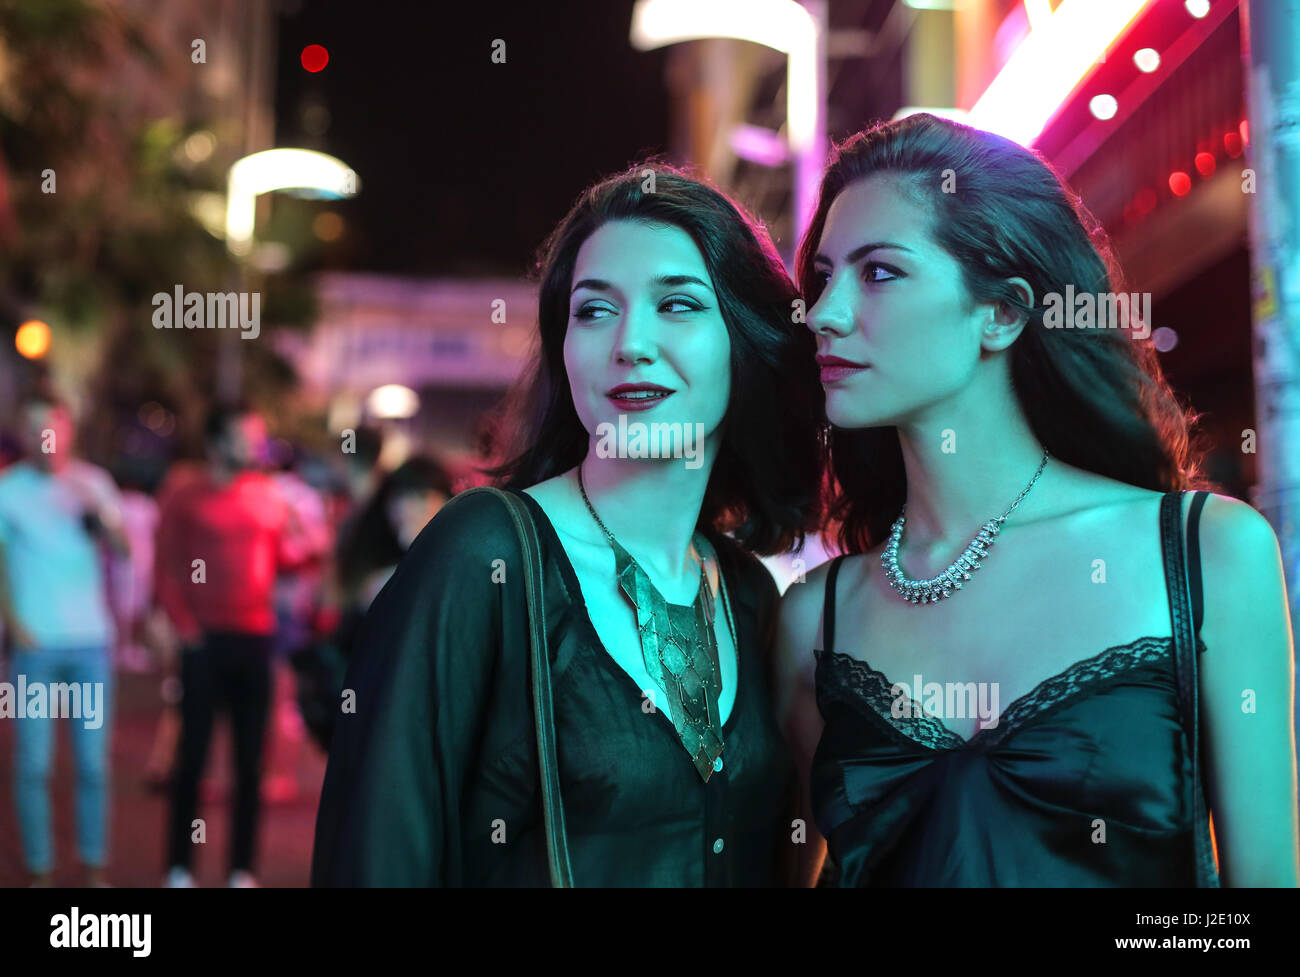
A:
(386, 526)
(57, 515)
(223, 535)
(297, 596)
(379, 536)
(131, 576)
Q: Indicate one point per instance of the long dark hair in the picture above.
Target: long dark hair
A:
(370, 542)
(763, 487)
(1095, 398)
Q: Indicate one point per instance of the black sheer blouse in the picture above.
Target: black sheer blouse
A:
(433, 780)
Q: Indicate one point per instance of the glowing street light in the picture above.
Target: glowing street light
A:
(782, 25)
(393, 401)
(279, 169)
(303, 172)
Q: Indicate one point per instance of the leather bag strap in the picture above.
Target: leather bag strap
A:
(557, 842)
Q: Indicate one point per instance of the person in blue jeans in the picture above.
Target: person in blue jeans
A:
(55, 514)
(88, 667)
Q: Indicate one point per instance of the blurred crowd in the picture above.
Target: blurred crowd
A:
(239, 580)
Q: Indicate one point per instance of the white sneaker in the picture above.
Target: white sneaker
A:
(179, 878)
(242, 880)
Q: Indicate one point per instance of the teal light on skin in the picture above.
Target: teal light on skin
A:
(938, 363)
(643, 308)
(900, 307)
(938, 360)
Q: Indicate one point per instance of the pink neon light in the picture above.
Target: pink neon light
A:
(1050, 64)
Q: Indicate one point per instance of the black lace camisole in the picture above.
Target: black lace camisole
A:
(1084, 781)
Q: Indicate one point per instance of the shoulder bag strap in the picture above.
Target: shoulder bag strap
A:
(1180, 611)
(557, 842)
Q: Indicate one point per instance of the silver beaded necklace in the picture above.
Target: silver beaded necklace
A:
(941, 587)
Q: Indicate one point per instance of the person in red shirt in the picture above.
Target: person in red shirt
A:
(223, 532)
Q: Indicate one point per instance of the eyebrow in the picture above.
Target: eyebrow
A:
(670, 281)
(863, 250)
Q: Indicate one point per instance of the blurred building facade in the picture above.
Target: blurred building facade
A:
(457, 343)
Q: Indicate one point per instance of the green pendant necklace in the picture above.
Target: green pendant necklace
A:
(678, 648)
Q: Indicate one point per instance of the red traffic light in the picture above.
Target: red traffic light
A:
(315, 58)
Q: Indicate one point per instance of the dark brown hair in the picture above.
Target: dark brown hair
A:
(1094, 397)
(764, 484)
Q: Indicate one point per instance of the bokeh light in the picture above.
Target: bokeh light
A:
(315, 58)
(1147, 60)
(1103, 106)
(392, 401)
(32, 339)
(327, 226)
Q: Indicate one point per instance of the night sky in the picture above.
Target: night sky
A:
(466, 165)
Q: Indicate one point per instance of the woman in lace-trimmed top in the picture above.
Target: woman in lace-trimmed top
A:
(982, 690)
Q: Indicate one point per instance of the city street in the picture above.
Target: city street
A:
(138, 820)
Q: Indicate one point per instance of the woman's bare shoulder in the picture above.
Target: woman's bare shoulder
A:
(805, 599)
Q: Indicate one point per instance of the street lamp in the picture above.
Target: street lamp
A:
(798, 31)
(302, 170)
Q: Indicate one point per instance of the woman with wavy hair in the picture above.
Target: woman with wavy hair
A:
(655, 457)
(994, 695)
